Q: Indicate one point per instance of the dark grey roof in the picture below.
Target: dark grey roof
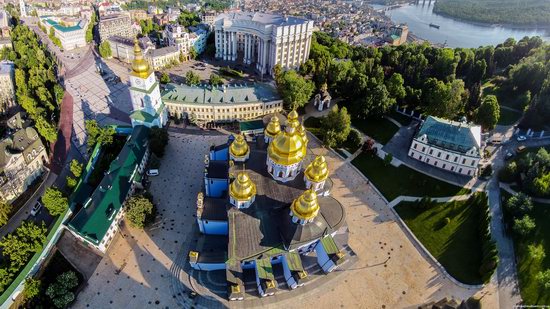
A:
(215, 209)
(264, 18)
(217, 169)
(455, 136)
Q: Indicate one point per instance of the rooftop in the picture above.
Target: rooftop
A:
(232, 93)
(452, 135)
(264, 18)
(62, 28)
(100, 209)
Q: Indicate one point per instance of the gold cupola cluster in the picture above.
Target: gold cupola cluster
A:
(317, 171)
(288, 148)
(242, 191)
(239, 150)
(272, 129)
(140, 66)
(305, 208)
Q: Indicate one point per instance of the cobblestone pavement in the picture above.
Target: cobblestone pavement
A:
(139, 270)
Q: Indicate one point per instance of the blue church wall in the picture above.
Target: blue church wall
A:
(221, 154)
(214, 227)
(215, 187)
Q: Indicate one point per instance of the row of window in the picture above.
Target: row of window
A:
(447, 156)
(443, 166)
(223, 110)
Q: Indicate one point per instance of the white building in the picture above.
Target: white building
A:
(197, 39)
(176, 35)
(449, 145)
(204, 103)
(7, 89)
(72, 34)
(263, 40)
(115, 24)
(162, 57)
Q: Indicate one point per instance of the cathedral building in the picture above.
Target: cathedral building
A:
(147, 106)
(274, 216)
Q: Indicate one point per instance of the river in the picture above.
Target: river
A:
(452, 32)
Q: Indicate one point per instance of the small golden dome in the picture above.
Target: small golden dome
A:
(317, 170)
(293, 115)
(305, 207)
(302, 131)
(287, 148)
(273, 127)
(242, 188)
(140, 66)
(239, 147)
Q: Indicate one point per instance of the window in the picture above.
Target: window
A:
(452, 168)
(428, 160)
(460, 170)
(415, 146)
(435, 163)
(423, 149)
(444, 165)
(463, 161)
(431, 151)
(447, 157)
(456, 159)
(439, 154)
(473, 162)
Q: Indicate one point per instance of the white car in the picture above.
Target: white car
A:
(153, 172)
(521, 138)
(36, 208)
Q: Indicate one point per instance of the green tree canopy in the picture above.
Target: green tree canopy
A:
(54, 201)
(20, 245)
(443, 99)
(60, 291)
(524, 226)
(32, 289)
(488, 113)
(76, 168)
(5, 211)
(158, 140)
(336, 126)
(164, 78)
(543, 278)
(105, 49)
(97, 134)
(192, 78)
(519, 204)
(215, 80)
(139, 210)
(294, 89)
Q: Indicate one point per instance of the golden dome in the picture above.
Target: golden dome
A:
(273, 127)
(140, 66)
(317, 170)
(305, 206)
(242, 188)
(239, 147)
(293, 115)
(288, 147)
(303, 133)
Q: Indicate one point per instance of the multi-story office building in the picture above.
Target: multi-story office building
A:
(263, 40)
(7, 90)
(208, 17)
(161, 57)
(449, 145)
(116, 24)
(176, 35)
(204, 103)
(197, 39)
(138, 15)
(72, 34)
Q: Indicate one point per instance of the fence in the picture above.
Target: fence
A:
(412, 113)
(532, 134)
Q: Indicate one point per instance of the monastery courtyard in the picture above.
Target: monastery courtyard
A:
(390, 272)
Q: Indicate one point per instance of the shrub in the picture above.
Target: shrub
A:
(140, 211)
(387, 159)
(509, 172)
(54, 201)
(524, 226)
(60, 291)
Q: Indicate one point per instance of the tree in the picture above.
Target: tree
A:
(543, 278)
(488, 113)
(164, 78)
(519, 204)
(215, 80)
(193, 54)
(395, 87)
(387, 159)
(336, 125)
(354, 138)
(443, 99)
(71, 182)
(158, 139)
(536, 252)
(295, 89)
(54, 201)
(187, 19)
(76, 168)
(5, 211)
(139, 211)
(105, 49)
(32, 289)
(524, 226)
(60, 291)
(192, 78)
(20, 245)
(96, 134)
(5, 278)
(89, 33)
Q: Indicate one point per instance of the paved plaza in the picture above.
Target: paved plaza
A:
(149, 268)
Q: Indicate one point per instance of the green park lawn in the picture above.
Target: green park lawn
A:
(508, 117)
(380, 129)
(505, 97)
(455, 245)
(531, 292)
(395, 181)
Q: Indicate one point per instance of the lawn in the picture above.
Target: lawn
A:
(380, 129)
(402, 119)
(395, 181)
(456, 244)
(505, 96)
(508, 117)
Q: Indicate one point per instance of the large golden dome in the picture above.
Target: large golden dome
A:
(287, 148)
(305, 207)
(242, 188)
(273, 127)
(140, 66)
(239, 147)
(317, 170)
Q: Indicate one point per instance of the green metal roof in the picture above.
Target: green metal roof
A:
(451, 135)
(264, 269)
(294, 261)
(94, 219)
(142, 116)
(61, 28)
(329, 244)
(251, 125)
(206, 94)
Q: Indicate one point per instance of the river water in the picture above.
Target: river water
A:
(455, 33)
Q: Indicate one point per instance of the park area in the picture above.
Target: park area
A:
(396, 181)
(380, 129)
(450, 232)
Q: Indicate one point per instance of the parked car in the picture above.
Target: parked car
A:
(153, 172)
(520, 149)
(522, 138)
(36, 208)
